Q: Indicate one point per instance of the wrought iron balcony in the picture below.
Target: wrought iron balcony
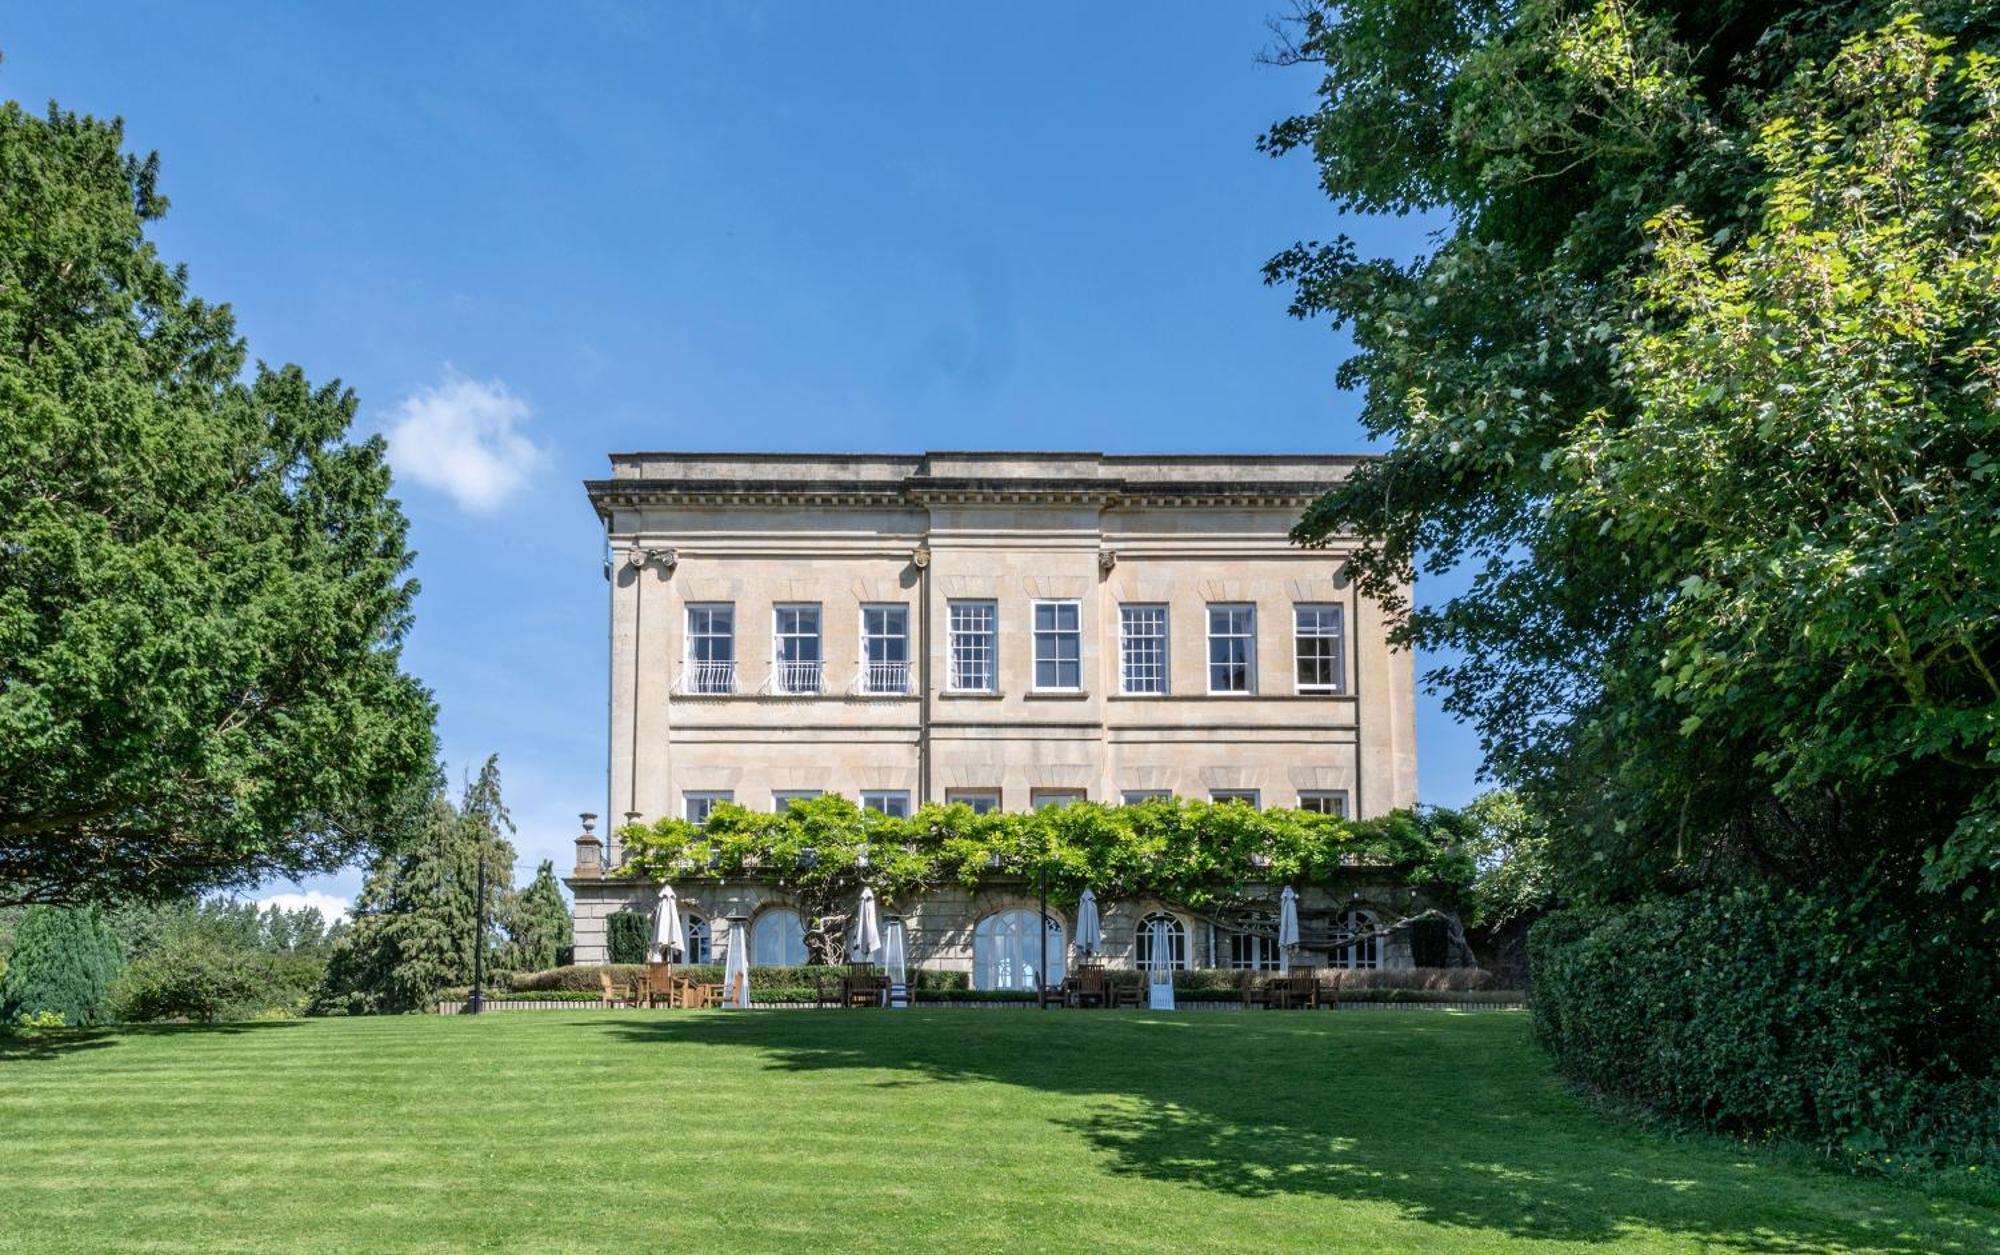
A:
(884, 678)
(706, 679)
(797, 678)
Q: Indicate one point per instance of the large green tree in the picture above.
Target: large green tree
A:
(414, 928)
(203, 579)
(1698, 379)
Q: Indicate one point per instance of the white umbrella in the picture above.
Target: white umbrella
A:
(868, 930)
(1089, 932)
(669, 936)
(736, 972)
(1288, 928)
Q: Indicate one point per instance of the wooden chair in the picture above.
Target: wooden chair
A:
(1299, 990)
(1086, 988)
(1257, 993)
(615, 995)
(1120, 993)
(661, 986)
(864, 987)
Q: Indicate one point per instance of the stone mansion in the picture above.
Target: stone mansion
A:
(1006, 630)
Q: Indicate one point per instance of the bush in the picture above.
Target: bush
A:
(202, 984)
(63, 962)
(1759, 1010)
(630, 936)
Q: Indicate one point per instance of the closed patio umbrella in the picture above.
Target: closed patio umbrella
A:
(1288, 928)
(1089, 931)
(669, 935)
(868, 929)
(736, 972)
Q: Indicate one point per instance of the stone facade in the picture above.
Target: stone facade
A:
(715, 556)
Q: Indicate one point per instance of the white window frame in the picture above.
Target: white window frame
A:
(975, 640)
(788, 676)
(1164, 638)
(1132, 797)
(1178, 958)
(1356, 958)
(1338, 636)
(882, 801)
(1262, 956)
(1035, 635)
(708, 675)
(1248, 636)
(1044, 799)
(705, 800)
(768, 921)
(885, 676)
(700, 946)
(782, 799)
(1337, 798)
(974, 797)
(1252, 796)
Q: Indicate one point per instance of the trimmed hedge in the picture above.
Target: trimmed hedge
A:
(629, 936)
(1757, 1011)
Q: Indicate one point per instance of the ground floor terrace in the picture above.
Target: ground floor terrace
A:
(893, 1131)
(990, 934)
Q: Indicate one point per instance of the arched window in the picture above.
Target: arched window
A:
(1366, 952)
(777, 939)
(698, 949)
(1006, 951)
(1176, 951)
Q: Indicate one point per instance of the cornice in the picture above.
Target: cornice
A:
(920, 491)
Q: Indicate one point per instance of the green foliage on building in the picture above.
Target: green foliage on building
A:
(63, 963)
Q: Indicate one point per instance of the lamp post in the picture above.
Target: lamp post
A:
(479, 939)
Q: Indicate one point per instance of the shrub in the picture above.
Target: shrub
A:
(630, 935)
(1757, 1009)
(205, 985)
(64, 961)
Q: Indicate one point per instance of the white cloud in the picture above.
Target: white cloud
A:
(329, 907)
(462, 437)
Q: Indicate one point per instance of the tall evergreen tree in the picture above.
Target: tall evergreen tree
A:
(414, 923)
(64, 961)
(539, 927)
(203, 580)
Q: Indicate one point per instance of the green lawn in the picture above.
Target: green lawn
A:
(974, 1130)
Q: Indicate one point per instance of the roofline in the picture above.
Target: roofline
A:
(770, 456)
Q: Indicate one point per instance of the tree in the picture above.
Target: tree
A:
(63, 962)
(414, 923)
(1699, 380)
(203, 584)
(538, 928)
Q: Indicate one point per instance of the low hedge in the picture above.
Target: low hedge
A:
(1760, 1011)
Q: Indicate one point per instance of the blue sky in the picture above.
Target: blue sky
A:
(528, 235)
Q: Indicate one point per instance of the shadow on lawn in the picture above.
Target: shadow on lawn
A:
(1497, 1145)
(53, 1043)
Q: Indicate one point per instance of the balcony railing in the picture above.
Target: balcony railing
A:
(795, 678)
(884, 677)
(703, 679)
